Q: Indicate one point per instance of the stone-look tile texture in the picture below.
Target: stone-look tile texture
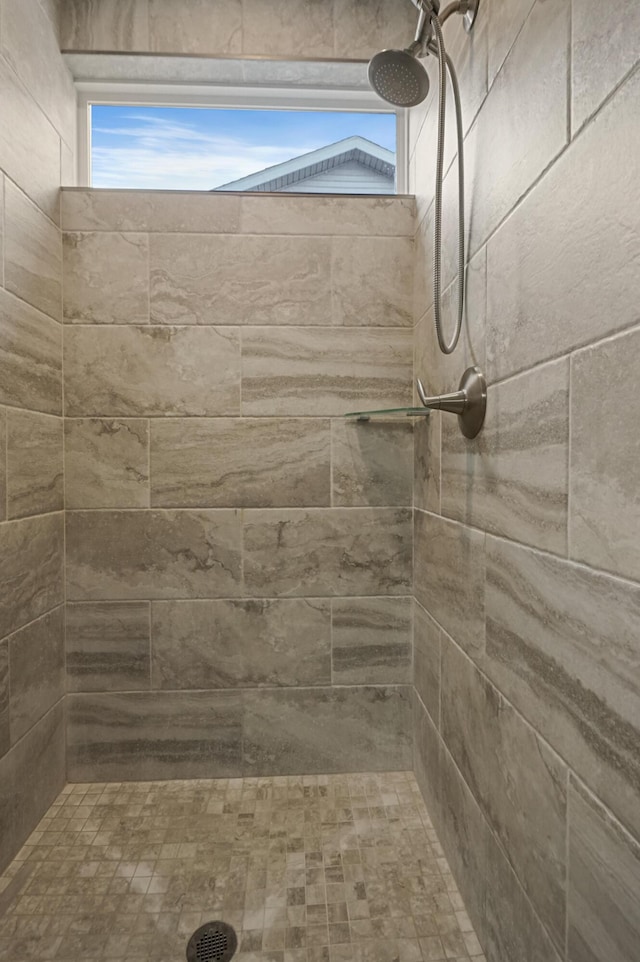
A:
(37, 129)
(282, 28)
(238, 556)
(527, 567)
(309, 867)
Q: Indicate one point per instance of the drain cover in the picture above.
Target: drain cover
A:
(213, 942)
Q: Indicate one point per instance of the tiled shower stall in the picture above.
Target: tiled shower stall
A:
(206, 572)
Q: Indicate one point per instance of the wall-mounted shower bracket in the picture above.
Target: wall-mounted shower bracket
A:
(469, 402)
(470, 13)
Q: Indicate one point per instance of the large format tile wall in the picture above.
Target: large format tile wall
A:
(527, 566)
(37, 119)
(344, 29)
(238, 555)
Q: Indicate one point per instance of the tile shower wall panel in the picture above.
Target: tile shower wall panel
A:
(235, 550)
(526, 549)
(37, 120)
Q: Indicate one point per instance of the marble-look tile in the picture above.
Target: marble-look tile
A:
(371, 641)
(36, 656)
(4, 697)
(3, 464)
(2, 230)
(108, 646)
(106, 463)
(463, 834)
(106, 278)
(31, 576)
(519, 783)
(68, 166)
(426, 660)
(372, 281)
(372, 462)
(117, 25)
(195, 27)
(327, 551)
(605, 501)
(323, 371)
(512, 479)
(234, 279)
(368, 216)
(86, 209)
(426, 756)
(30, 357)
(30, 44)
(327, 730)
(132, 555)
(286, 27)
(512, 930)
(600, 59)
(240, 462)
(604, 912)
(32, 774)
(35, 468)
(503, 159)
(449, 574)
(154, 735)
(32, 254)
(427, 461)
(240, 644)
(571, 209)
(563, 646)
(31, 160)
(151, 371)
(364, 28)
(506, 19)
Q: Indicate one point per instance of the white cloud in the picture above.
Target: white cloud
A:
(164, 154)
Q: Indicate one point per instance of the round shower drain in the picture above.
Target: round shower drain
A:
(213, 942)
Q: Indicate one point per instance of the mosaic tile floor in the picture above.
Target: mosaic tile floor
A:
(338, 868)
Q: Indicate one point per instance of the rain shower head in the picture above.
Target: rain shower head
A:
(398, 77)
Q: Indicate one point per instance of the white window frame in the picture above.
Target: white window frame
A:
(98, 93)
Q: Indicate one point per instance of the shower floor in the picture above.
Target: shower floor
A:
(316, 868)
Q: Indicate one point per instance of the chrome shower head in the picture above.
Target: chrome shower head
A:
(398, 77)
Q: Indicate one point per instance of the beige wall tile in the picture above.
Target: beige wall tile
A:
(512, 480)
(241, 644)
(195, 26)
(324, 552)
(361, 29)
(31, 160)
(132, 555)
(108, 646)
(372, 281)
(562, 645)
(601, 55)
(32, 254)
(385, 216)
(323, 372)
(31, 576)
(4, 697)
(36, 655)
(506, 19)
(3, 464)
(153, 371)
(106, 463)
(533, 313)
(240, 462)
(372, 463)
(106, 278)
(105, 25)
(150, 210)
(371, 641)
(35, 466)
(605, 500)
(209, 279)
(426, 660)
(449, 577)
(287, 27)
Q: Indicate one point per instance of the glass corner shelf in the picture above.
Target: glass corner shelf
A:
(389, 413)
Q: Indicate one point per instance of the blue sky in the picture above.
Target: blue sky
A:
(184, 148)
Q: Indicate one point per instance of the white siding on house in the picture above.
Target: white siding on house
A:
(349, 178)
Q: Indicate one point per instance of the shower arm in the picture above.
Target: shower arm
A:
(466, 8)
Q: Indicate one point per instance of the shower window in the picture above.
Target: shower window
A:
(263, 140)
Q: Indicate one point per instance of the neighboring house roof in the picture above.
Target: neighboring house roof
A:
(359, 151)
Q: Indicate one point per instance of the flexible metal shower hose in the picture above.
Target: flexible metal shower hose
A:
(444, 64)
